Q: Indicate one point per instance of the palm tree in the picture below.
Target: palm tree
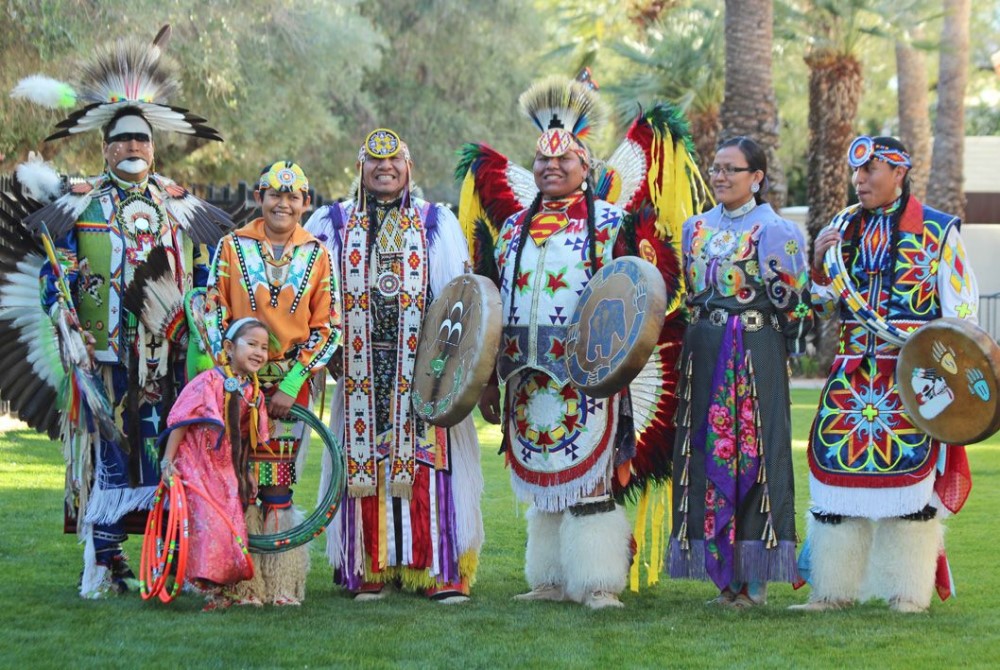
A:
(945, 188)
(905, 21)
(749, 106)
(914, 111)
(833, 30)
(681, 62)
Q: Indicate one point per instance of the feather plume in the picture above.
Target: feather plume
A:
(127, 72)
(483, 252)
(203, 222)
(45, 92)
(491, 173)
(39, 180)
(162, 37)
(558, 102)
(31, 371)
(153, 294)
(128, 69)
(61, 215)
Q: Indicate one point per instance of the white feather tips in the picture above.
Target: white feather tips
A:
(45, 91)
(39, 179)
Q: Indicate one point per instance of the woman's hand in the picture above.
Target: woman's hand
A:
(254, 487)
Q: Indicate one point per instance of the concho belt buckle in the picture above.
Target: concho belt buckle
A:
(718, 317)
(753, 320)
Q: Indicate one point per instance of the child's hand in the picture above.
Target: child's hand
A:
(166, 469)
(280, 404)
(252, 480)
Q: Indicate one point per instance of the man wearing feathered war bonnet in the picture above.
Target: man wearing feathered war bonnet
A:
(129, 243)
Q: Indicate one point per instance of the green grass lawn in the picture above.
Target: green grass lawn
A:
(43, 623)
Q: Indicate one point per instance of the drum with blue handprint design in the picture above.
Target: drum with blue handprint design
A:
(947, 373)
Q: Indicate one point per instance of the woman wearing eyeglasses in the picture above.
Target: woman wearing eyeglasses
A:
(748, 292)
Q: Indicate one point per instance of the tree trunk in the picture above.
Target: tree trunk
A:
(834, 91)
(914, 114)
(748, 106)
(945, 188)
(705, 133)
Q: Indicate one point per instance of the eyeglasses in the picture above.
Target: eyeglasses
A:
(727, 170)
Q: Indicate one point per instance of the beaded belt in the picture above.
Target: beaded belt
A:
(752, 320)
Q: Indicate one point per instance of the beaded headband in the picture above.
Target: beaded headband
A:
(284, 177)
(383, 143)
(864, 149)
(235, 326)
(558, 141)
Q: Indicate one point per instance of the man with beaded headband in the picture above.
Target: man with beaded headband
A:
(411, 516)
(276, 271)
(108, 231)
(879, 485)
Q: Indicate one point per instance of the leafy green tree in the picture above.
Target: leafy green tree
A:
(451, 73)
(277, 79)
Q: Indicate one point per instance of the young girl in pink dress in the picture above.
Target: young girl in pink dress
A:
(216, 417)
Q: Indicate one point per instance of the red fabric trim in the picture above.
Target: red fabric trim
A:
(954, 486)
(872, 481)
(942, 578)
(369, 521)
(420, 520)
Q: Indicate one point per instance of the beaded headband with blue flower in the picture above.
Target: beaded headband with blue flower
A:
(864, 149)
(284, 177)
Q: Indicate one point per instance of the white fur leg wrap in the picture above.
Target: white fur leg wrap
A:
(542, 560)
(904, 560)
(596, 552)
(839, 558)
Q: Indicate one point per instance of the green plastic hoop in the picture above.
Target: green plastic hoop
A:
(315, 523)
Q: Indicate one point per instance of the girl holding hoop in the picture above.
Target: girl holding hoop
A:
(211, 429)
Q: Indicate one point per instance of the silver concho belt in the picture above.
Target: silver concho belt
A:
(752, 320)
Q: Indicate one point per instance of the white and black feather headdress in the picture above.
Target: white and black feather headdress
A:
(126, 73)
